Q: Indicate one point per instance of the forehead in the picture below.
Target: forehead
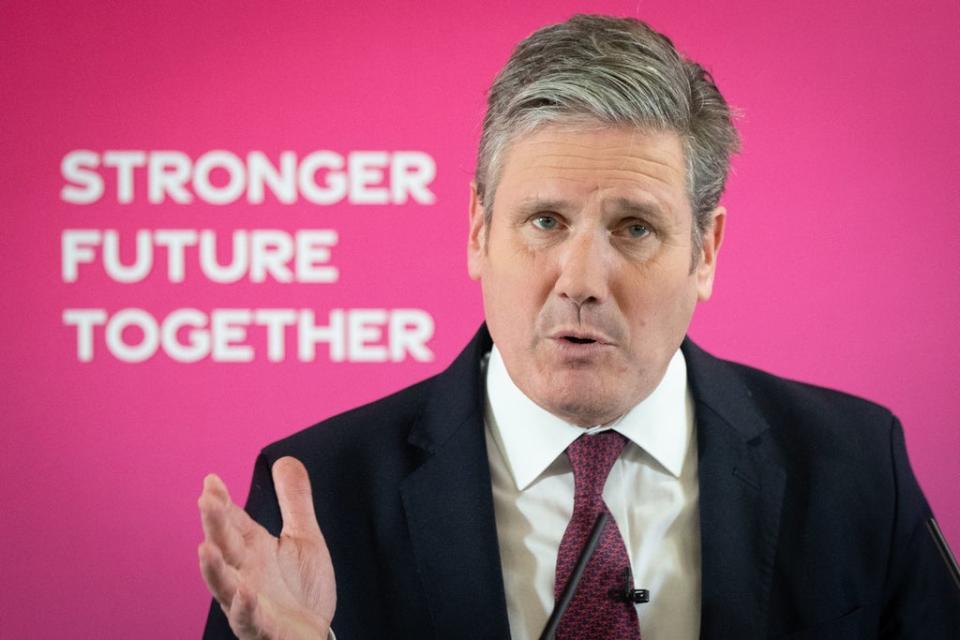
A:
(575, 162)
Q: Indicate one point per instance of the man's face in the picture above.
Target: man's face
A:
(586, 266)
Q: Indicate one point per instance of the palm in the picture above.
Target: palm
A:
(278, 588)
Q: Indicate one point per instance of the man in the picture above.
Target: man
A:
(742, 505)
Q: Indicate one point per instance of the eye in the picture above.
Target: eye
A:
(637, 230)
(546, 222)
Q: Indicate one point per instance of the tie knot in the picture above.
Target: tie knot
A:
(592, 457)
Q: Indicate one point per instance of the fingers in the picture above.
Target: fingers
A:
(220, 525)
(226, 527)
(295, 497)
(225, 524)
(222, 580)
(246, 616)
(213, 485)
(254, 616)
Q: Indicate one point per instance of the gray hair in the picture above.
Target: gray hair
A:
(612, 71)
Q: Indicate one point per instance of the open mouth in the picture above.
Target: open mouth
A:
(576, 340)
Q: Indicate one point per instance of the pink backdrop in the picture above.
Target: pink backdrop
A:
(839, 267)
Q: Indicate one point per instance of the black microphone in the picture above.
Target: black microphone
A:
(551, 628)
(629, 594)
(944, 549)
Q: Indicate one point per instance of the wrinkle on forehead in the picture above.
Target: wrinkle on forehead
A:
(645, 169)
(626, 150)
(566, 157)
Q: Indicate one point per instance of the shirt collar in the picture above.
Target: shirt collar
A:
(530, 438)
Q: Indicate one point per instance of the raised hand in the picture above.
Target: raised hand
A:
(269, 588)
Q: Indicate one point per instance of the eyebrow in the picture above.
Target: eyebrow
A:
(535, 204)
(622, 207)
(626, 207)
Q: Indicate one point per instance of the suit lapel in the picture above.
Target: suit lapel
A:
(449, 506)
(741, 490)
(452, 527)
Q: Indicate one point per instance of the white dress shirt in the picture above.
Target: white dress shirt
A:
(652, 493)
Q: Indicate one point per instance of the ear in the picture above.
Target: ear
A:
(712, 239)
(477, 240)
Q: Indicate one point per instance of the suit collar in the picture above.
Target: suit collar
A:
(448, 503)
(453, 399)
(452, 526)
(719, 387)
(741, 491)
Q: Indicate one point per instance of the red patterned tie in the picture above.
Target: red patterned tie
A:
(594, 614)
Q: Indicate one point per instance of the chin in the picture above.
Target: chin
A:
(586, 412)
(585, 405)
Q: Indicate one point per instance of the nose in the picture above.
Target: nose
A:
(585, 264)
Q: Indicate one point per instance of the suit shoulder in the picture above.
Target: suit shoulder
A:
(818, 427)
(394, 433)
(782, 394)
(800, 415)
(387, 419)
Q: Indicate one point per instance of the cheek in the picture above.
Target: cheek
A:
(684, 299)
(508, 307)
(521, 278)
(659, 301)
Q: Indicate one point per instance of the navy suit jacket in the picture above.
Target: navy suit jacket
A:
(812, 523)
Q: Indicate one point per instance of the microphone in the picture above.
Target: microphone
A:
(554, 621)
(941, 543)
(629, 594)
(637, 596)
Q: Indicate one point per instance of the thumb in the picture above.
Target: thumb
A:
(296, 499)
